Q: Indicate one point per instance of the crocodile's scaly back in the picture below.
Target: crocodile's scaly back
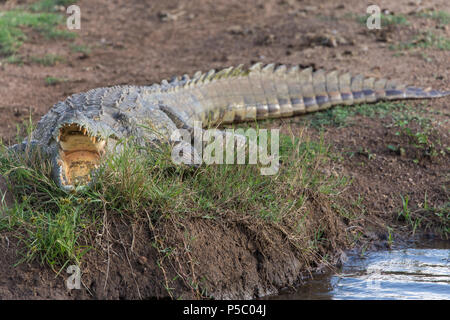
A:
(261, 92)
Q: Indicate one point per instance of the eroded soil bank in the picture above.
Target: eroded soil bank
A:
(238, 256)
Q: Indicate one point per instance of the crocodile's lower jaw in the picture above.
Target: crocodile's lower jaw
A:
(79, 154)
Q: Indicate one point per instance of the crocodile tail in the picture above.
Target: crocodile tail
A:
(300, 91)
(358, 89)
(270, 91)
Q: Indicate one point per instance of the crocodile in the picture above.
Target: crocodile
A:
(78, 132)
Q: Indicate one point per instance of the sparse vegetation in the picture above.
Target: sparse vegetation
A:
(13, 22)
(425, 217)
(50, 5)
(442, 17)
(80, 48)
(420, 134)
(386, 20)
(46, 60)
(341, 116)
(14, 59)
(52, 81)
(412, 124)
(424, 41)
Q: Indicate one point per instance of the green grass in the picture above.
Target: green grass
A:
(442, 17)
(50, 5)
(13, 24)
(49, 229)
(56, 227)
(415, 126)
(418, 131)
(426, 216)
(52, 81)
(14, 59)
(385, 20)
(425, 40)
(342, 116)
(80, 48)
(46, 60)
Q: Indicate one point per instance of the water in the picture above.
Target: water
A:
(420, 272)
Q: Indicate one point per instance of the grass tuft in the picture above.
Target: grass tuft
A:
(50, 5)
(47, 60)
(442, 17)
(53, 81)
(86, 50)
(14, 22)
(424, 41)
(386, 20)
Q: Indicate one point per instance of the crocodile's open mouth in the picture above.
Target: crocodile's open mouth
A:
(80, 153)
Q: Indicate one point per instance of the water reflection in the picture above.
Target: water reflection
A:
(407, 273)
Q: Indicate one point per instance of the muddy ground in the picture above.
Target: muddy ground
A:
(142, 42)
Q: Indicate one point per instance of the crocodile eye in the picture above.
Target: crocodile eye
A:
(80, 153)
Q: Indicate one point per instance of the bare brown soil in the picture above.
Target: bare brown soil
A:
(142, 42)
